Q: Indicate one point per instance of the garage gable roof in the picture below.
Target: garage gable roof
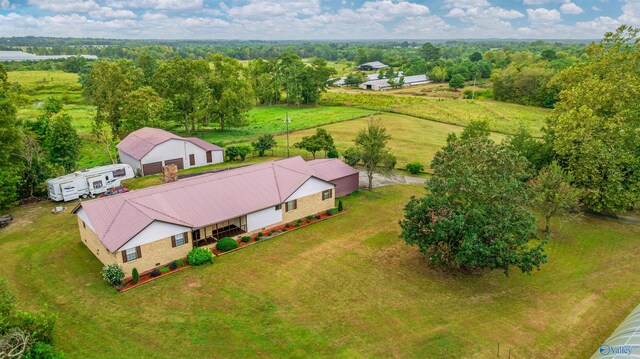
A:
(138, 143)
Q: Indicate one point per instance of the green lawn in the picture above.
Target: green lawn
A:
(347, 287)
(270, 119)
(502, 117)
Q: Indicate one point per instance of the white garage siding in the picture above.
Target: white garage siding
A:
(263, 218)
(313, 185)
(167, 151)
(125, 158)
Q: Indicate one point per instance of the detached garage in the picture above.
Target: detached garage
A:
(148, 150)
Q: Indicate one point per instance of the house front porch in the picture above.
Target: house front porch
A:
(211, 234)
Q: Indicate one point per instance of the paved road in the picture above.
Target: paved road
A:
(392, 179)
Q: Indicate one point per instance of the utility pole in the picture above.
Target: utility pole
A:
(287, 120)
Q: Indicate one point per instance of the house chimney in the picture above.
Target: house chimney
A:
(170, 173)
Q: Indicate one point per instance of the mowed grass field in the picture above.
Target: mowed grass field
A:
(412, 139)
(502, 117)
(271, 119)
(343, 288)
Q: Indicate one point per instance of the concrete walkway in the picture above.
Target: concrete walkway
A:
(389, 180)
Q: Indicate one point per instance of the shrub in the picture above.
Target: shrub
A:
(329, 212)
(112, 274)
(135, 276)
(340, 208)
(155, 273)
(246, 239)
(164, 269)
(351, 156)
(310, 217)
(298, 223)
(287, 225)
(318, 216)
(199, 256)
(414, 167)
(333, 153)
(42, 350)
(180, 262)
(259, 234)
(258, 239)
(173, 266)
(226, 244)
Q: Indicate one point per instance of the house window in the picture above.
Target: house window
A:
(327, 194)
(192, 160)
(97, 184)
(179, 239)
(278, 207)
(131, 254)
(118, 173)
(209, 157)
(291, 205)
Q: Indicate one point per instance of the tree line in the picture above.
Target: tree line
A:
(216, 92)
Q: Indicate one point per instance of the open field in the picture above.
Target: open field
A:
(502, 117)
(412, 139)
(347, 287)
(270, 119)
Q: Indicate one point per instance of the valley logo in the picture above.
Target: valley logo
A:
(606, 349)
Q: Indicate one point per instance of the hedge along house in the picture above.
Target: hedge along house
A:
(151, 227)
(148, 150)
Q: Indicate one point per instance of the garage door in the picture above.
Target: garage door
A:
(176, 161)
(152, 168)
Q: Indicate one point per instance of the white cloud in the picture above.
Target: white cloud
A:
(571, 8)
(595, 8)
(158, 4)
(465, 4)
(630, 13)
(543, 15)
(66, 6)
(107, 12)
(5, 4)
(535, 2)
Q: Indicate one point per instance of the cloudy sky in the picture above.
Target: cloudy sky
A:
(317, 19)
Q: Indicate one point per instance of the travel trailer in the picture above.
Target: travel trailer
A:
(88, 183)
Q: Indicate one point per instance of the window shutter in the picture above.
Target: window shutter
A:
(138, 252)
(124, 256)
(173, 241)
(186, 237)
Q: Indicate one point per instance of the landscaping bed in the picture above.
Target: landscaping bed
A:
(154, 274)
(276, 231)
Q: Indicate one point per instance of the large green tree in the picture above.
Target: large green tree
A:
(142, 107)
(182, 83)
(10, 145)
(62, 142)
(228, 95)
(595, 127)
(473, 214)
(552, 194)
(372, 151)
(108, 85)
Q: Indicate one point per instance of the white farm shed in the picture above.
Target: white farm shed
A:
(148, 150)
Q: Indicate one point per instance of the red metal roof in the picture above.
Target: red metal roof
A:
(330, 169)
(138, 143)
(202, 200)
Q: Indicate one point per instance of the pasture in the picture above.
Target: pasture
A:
(502, 117)
(346, 287)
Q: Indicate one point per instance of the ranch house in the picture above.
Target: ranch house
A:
(148, 150)
(150, 227)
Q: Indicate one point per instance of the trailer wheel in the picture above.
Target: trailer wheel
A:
(83, 196)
